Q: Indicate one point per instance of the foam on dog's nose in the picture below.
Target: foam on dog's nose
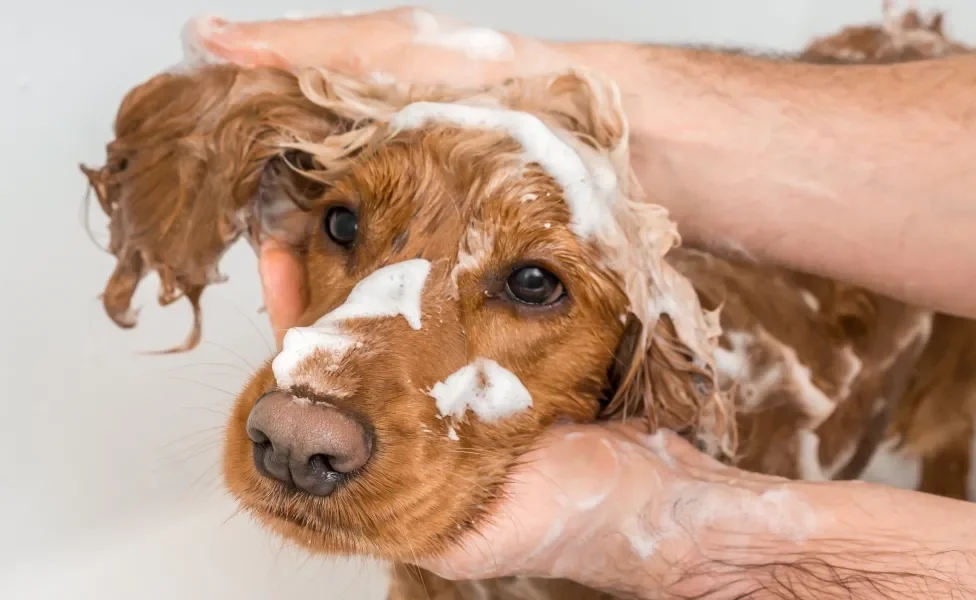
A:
(394, 290)
(485, 387)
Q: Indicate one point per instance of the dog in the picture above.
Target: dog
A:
(482, 265)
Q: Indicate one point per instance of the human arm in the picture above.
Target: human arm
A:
(650, 517)
(859, 173)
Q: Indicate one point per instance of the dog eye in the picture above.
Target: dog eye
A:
(341, 225)
(533, 285)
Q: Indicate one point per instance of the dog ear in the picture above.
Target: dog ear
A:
(289, 184)
(937, 24)
(663, 369)
(582, 104)
(656, 377)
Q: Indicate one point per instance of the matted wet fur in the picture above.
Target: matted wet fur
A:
(802, 381)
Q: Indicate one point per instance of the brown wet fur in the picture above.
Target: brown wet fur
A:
(252, 152)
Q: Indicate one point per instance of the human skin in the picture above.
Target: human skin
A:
(764, 157)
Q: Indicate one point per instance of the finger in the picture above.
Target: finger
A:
(216, 38)
(282, 284)
(328, 41)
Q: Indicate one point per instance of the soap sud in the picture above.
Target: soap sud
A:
(808, 456)
(643, 543)
(485, 388)
(452, 434)
(810, 300)
(695, 507)
(394, 290)
(891, 467)
(387, 292)
(655, 443)
(476, 42)
(382, 78)
(194, 52)
(586, 504)
(300, 343)
(734, 363)
(588, 194)
(552, 536)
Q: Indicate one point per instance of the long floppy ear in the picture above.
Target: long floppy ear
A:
(664, 367)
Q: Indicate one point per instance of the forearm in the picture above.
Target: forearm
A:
(858, 542)
(861, 173)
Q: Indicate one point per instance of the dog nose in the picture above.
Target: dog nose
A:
(305, 444)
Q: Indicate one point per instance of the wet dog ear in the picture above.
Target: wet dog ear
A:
(289, 185)
(655, 377)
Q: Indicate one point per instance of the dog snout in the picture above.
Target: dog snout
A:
(305, 444)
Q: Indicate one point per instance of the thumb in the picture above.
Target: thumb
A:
(283, 287)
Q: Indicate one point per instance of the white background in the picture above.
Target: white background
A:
(109, 485)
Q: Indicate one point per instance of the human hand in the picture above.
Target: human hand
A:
(282, 285)
(412, 45)
(574, 497)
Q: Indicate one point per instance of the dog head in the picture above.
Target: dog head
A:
(481, 266)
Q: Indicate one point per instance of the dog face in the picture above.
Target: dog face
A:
(478, 272)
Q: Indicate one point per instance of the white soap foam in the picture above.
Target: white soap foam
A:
(696, 507)
(893, 467)
(387, 292)
(302, 342)
(489, 390)
(587, 194)
(391, 291)
(452, 434)
(191, 36)
(734, 363)
(655, 442)
(810, 300)
(476, 42)
(808, 456)
(382, 78)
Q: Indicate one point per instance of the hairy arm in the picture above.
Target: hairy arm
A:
(820, 541)
(861, 173)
